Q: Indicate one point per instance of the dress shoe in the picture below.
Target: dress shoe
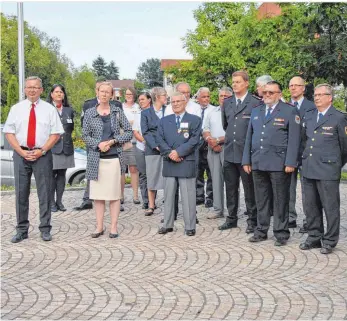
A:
(280, 242)
(164, 230)
(250, 229)
(214, 216)
(227, 226)
(292, 224)
(113, 235)
(190, 232)
(256, 238)
(122, 200)
(145, 206)
(200, 202)
(97, 234)
(149, 212)
(54, 208)
(326, 249)
(303, 229)
(136, 201)
(197, 221)
(310, 245)
(46, 236)
(86, 205)
(19, 237)
(121, 208)
(208, 203)
(61, 207)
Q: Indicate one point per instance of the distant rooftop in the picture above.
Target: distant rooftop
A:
(165, 63)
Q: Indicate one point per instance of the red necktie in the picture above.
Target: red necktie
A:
(32, 128)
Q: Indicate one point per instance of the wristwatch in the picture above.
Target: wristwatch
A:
(217, 141)
(43, 152)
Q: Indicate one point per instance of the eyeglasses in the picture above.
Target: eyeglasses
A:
(185, 92)
(270, 93)
(176, 101)
(295, 85)
(224, 96)
(33, 88)
(320, 95)
(129, 95)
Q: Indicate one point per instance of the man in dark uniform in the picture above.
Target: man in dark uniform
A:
(271, 154)
(325, 153)
(236, 113)
(297, 90)
(90, 103)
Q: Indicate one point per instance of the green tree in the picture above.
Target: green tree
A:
(12, 97)
(100, 67)
(112, 71)
(149, 73)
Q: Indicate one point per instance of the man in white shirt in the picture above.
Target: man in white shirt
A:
(32, 128)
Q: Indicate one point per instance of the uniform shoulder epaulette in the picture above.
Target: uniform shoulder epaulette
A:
(290, 104)
(256, 97)
(228, 98)
(342, 112)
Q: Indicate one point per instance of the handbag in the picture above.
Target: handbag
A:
(127, 145)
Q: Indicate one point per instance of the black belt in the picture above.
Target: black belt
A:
(27, 148)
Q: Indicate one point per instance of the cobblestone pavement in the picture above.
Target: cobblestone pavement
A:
(143, 275)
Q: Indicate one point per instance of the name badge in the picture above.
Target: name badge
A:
(184, 125)
(255, 118)
(69, 120)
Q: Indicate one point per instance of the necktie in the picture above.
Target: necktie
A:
(320, 116)
(268, 114)
(203, 114)
(296, 104)
(238, 104)
(178, 122)
(32, 128)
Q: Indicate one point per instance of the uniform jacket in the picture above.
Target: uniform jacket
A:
(185, 141)
(149, 126)
(273, 144)
(235, 123)
(65, 144)
(92, 133)
(306, 106)
(325, 145)
(90, 103)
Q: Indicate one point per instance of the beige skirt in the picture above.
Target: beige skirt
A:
(108, 185)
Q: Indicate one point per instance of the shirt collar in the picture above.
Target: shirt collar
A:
(325, 111)
(272, 108)
(298, 101)
(242, 98)
(35, 103)
(181, 115)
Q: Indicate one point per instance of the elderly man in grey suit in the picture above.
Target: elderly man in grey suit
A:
(178, 137)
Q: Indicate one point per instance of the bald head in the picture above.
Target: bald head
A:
(297, 88)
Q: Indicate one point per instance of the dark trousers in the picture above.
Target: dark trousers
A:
(200, 180)
(272, 192)
(58, 185)
(23, 170)
(293, 183)
(232, 174)
(141, 167)
(321, 195)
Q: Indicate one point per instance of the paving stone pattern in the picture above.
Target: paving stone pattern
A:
(142, 275)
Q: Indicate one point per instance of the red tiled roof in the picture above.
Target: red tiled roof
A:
(165, 63)
(122, 83)
(269, 9)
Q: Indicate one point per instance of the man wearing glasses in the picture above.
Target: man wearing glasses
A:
(32, 128)
(297, 90)
(271, 155)
(325, 153)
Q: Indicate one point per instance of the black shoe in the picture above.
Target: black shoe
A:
(149, 212)
(122, 200)
(19, 237)
(197, 221)
(250, 229)
(136, 201)
(190, 232)
(145, 206)
(292, 224)
(96, 235)
(310, 245)
(121, 208)
(303, 229)
(227, 226)
(61, 207)
(280, 242)
(46, 236)
(54, 208)
(86, 205)
(164, 230)
(209, 203)
(113, 236)
(255, 239)
(200, 202)
(326, 249)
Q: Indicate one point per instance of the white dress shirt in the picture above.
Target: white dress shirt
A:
(191, 108)
(130, 113)
(137, 127)
(322, 112)
(47, 122)
(213, 123)
(299, 101)
(208, 109)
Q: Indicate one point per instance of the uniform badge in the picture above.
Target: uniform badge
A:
(297, 119)
(256, 117)
(186, 135)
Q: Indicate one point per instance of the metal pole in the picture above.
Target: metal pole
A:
(21, 67)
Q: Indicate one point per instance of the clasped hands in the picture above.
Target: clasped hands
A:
(105, 146)
(212, 142)
(175, 157)
(287, 169)
(31, 155)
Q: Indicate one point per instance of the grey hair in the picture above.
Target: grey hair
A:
(227, 89)
(263, 80)
(328, 88)
(177, 93)
(34, 78)
(202, 89)
(157, 91)
(182, 83)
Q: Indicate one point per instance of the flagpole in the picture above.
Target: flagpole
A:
(21, 65)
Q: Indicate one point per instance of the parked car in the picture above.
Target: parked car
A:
(74, 175)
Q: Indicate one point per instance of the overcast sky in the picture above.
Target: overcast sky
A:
(126, 32)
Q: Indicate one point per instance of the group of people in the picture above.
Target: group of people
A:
(260, 139)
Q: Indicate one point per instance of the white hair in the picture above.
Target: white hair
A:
(34, 78)
(263, 80)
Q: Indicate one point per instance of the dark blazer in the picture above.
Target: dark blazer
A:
(89, 103)
(306, 106)
(184, 142)
(149, 126)
(65, 144)
(235, 123)
(273, 144)
(325, 145)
